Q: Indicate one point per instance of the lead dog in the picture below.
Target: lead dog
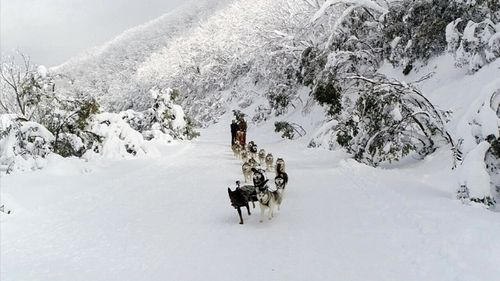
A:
(241, 196)
(268, 200)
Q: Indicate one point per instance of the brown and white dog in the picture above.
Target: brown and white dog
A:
(236, 149)
(246, 168)
(269, 162)
(244, 155)
(262, 156)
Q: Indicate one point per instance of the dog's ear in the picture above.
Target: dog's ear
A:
(254, 170)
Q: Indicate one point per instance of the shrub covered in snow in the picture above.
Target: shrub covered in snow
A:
(117, 138)
(163, 118)
(68, 121)
(415, 31)
(476, 45)
(73, 126)
(388, 121)
(25, 145)
(289, 130)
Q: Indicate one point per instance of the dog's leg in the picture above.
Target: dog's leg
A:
(248, 209)
(270, 214)
(261, 213)
(239, 213)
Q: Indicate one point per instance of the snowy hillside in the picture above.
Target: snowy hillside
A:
(170, 218)
(108, 71)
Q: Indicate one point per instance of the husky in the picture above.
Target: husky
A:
(244, 155)
(253, 150)
(268, 200)
(280, 165)
(247, 168)
(236, 150)
(281, 180)
(280, 170)
(241, 196)
(252, 162)
(262, 156)
(258, 177)
(269, 162)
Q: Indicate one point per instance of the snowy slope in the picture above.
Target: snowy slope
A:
(108, 71)
(169, 218)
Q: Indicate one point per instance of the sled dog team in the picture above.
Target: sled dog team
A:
(253, 172)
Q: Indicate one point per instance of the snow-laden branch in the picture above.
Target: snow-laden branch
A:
(363, 3)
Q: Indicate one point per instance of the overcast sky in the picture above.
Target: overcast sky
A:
(52, 31)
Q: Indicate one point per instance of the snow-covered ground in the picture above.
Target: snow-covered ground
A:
(169, 218)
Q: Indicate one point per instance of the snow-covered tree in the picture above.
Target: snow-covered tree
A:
(389, 121)
(476, 46)
(24, 87)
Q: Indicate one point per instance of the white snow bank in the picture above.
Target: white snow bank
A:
(472, 173)
(119, 140)
(480, 120)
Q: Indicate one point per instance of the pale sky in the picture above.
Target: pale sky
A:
(52, 31)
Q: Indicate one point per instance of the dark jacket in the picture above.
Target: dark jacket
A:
(243, 125)
(234, 128)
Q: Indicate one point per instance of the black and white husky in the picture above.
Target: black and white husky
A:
(252, 149)
(268, 200)
(280, 165)
(281, 180)
(280, 169)
(252, 162)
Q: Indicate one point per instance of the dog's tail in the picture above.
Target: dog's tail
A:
(231, 196)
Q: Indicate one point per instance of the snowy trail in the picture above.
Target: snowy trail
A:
(169, 218)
